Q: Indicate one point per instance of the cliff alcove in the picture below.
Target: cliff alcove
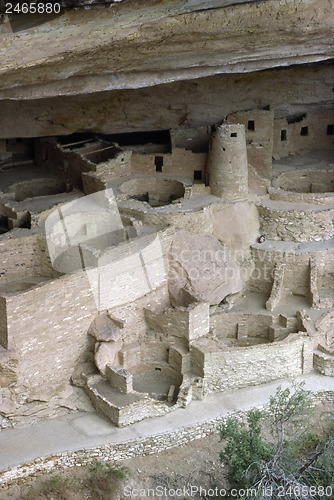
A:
(145, 146)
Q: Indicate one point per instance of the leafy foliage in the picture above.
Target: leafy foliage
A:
(298, 465)
(244, 446)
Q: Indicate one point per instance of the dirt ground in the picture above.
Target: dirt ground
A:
(193, 465)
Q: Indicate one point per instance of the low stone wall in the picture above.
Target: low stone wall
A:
(324, 363)
(305, 181)
(226, 324)
(130, 449)
(296, 261)
(237, 367)
(198, 221)
(314, 198)
(290, 222)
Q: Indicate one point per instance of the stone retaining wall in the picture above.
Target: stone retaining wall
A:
(130, 449)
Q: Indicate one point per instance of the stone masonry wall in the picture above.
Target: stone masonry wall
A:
(253, 365)
(48, 328)
(227, 162)
(18, 258)
(130, 449)
(316, 136)
(296, 268)
(24, 257)
(226, 325)
(314, 198)
(197, 221)
(67, 165)
(295, 223)
(259, 125)
(180, 162)
(119, 166)
(3, 323)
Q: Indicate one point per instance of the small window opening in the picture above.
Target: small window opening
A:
(157, 369)
(159, 161)
(197, 175)
(330, 129)
(3, 224)
(283, 135)
(234, 134)
(251, 125)
(304, 131)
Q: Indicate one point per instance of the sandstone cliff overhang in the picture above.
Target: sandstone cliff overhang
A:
(136, 44)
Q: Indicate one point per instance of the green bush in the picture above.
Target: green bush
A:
(297, 460)
(244, 447)
(54, 486)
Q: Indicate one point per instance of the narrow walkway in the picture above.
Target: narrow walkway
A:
(89, 430)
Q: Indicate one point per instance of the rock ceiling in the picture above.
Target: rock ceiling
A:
(115, 52)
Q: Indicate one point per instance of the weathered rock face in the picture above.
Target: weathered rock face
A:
(236, 225)
(105, 354)
(9, 365)
(104, 329)
(140, 44)
(188, 104)
(201, 269)
(98, 69)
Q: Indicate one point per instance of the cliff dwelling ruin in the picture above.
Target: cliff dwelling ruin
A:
(166, 204)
